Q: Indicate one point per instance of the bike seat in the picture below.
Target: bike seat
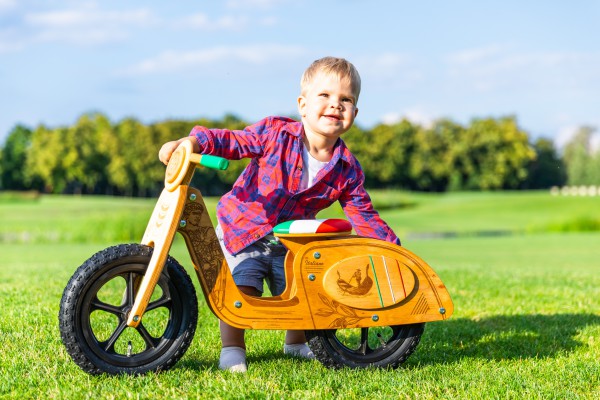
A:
(329, 226)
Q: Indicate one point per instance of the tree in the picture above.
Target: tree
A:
(430, 167)
(44, 158)
(579, 158)
(491, 154)
(547, 169)
(83, 159)
(384, 153)
(13, 157)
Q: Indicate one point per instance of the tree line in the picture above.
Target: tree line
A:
(97, 156)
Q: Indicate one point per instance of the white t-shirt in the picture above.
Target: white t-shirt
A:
(312, 166)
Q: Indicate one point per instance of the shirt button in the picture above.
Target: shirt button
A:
(299, 168)
(256, 236)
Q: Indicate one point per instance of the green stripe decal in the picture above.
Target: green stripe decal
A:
(283, 227)
(376, 281)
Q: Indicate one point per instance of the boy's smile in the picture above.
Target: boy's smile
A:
(328, 107)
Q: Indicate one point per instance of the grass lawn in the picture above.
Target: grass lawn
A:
(72, 219)
(526, 326)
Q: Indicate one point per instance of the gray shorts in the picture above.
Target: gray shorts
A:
(261, 261)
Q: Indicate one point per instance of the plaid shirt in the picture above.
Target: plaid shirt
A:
(267, 192)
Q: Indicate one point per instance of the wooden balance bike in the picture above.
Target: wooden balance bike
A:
(131, 308)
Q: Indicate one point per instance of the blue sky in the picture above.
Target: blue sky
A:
(538, 60)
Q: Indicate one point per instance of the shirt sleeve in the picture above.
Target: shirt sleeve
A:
(233, 144)
(359, 210)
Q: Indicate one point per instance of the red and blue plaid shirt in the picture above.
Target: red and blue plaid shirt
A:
(267, 192)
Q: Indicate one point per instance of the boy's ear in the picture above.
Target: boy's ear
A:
(301, 106)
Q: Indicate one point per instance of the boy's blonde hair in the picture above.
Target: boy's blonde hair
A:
(339, 67)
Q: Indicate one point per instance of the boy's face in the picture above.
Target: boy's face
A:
(328, 107)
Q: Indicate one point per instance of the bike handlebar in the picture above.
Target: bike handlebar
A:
(215, 162)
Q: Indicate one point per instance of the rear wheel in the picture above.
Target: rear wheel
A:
(96, 302)
(380, 347)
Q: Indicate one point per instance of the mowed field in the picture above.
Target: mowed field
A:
(523, 269)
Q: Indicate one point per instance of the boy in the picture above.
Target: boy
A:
(297, 169)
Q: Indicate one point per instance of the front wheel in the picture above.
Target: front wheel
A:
(380, 347)
(96, 302)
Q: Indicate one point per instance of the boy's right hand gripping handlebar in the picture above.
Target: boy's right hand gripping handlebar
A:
(181, 160)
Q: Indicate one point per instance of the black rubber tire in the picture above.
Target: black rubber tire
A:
(376, 347)
(167, 328)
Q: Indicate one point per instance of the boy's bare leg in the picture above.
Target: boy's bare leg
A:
(295, 345)
(233, 351)
(295, 337)
(233, 355)
(231, 336)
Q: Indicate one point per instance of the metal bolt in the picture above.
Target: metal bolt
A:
(237, 304)
(317, 255)
(442, 310)
(375, 317)
(311, 277)
(136, 318)
(182, 223)
(193, 197)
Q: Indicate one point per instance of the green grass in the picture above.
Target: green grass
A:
(526, 322)
(467, 213)
(75, 219)
(71, 219)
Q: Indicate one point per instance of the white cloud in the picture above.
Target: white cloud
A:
(389, 70)
(10, 41)
(172, 61)
(416, 115)
(595, 142)
(7, 4)
(203, 21)
(387, 63)
(496, 67)
(251, 4)
(85, 24)
(477, 55)
(566, 134)
(89, 15)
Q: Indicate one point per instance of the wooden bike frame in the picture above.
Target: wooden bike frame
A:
(333, 280)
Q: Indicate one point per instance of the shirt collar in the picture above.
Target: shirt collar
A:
(340, 151)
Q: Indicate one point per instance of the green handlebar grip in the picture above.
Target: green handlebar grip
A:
(214, 162)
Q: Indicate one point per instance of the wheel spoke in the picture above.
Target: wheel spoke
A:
(151, 342)
(109, 345)
(364, 340)
(130, 289)
(98, 300)
(96, 304)
(162, 302)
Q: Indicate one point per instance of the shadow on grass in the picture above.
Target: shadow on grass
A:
(255, 357)
(492, 338)
(502, 337)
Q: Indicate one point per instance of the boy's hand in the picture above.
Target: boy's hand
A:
(167, 149)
